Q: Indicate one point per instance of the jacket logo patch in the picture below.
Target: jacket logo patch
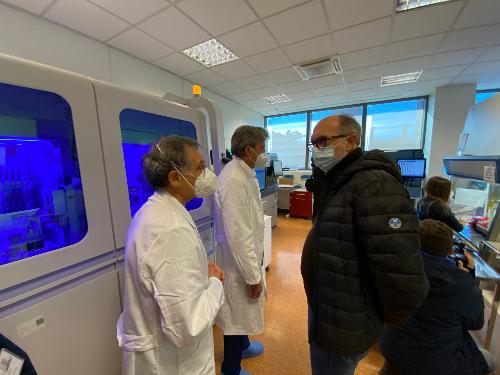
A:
(395, 223)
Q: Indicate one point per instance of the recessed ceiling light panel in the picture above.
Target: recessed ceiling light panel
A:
(276, 99)
(400, 79)
(210, 53)
(402, 5)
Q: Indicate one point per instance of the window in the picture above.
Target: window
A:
(139, 131)
(395, 125)
(481, 96)
(288, 138)
(41, 197)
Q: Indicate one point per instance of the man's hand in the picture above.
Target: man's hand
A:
(471, 265)
(215, 271)
(254, 291)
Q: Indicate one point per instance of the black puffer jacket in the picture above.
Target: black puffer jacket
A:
(436, 341)
(362, 264)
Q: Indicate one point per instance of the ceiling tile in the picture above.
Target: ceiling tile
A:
(362, 74)
(430, 84)
(265, 8)
(425, 20)
(140, 44)
(363, 85)
(302, 95)
(465, 56)
(310, 50)
(345, 13)
(294, 86)
(268, 61)
(299, 23)
(478, 13)
(266, 91)
(234, 70)
(179, 64)
(414, 47)
(33, 6)
(205, 78)
(330, 80)
(439, 73)
(252, 83)
(483, 68)
(255, 103)
(367, 57)
(473, 78)
(493, 53)
(470, 38)
(218, 16)
(248, 40)
(406, 66)
(165, 26)
(491, 84)
(86, 18)
(243, 96)
(226, 88)
(329, 90)
(132, 10)
(282, 76)
(363, 36)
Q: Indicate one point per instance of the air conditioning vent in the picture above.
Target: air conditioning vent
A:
(319, 68)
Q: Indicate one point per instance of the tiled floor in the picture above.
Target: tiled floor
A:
(285, 336)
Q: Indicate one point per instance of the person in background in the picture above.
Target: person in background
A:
(361, 262)
(172, 293)
(435, 203)
(436, 341)
(240, 233)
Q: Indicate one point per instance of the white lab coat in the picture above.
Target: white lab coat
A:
(240, 237)
(170, 304)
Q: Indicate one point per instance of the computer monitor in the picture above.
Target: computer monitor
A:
(412, 167)
(260, 173)
(277, 168)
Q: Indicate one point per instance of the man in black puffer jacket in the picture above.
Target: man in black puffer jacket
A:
(361, 264)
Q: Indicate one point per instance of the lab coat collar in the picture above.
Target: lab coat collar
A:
(171, 201)
(249, 171)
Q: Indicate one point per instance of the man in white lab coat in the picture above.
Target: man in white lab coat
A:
(172, 293)
(240, 234)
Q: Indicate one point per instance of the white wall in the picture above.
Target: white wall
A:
(33, 38)
(451, 105)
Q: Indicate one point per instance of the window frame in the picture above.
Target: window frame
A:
(497, 90)
(364, 107)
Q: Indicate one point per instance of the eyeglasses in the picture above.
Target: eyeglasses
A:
(323, 141)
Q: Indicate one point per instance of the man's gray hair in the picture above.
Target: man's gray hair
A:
(349, 125)
(162, 156)
(245, 136)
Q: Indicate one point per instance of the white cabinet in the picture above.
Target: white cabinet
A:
(267, 241)
(270, 205)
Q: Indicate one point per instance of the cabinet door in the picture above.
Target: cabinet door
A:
(54, 209)
(130, 123)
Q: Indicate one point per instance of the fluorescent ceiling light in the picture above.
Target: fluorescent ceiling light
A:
(210, 53)
(276, 99)
(403, 5)
(399, 79)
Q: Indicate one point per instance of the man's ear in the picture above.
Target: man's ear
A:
(174, 179)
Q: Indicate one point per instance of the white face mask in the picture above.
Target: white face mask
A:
(324, 158)
(205, 184)
(262, 160)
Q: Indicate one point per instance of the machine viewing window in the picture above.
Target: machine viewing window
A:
(41, 198)
(139, 131)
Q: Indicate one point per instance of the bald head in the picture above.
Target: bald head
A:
(337, 125)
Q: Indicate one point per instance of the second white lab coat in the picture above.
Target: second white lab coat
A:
(240, 237)
(170, 304)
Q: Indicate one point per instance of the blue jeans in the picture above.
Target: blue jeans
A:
(324, 362)
(233, 349)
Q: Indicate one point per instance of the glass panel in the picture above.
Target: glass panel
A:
(395, 125)
(482, 96)
(317, 116)
(287, 138)
(140, 130)
(41, 197)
